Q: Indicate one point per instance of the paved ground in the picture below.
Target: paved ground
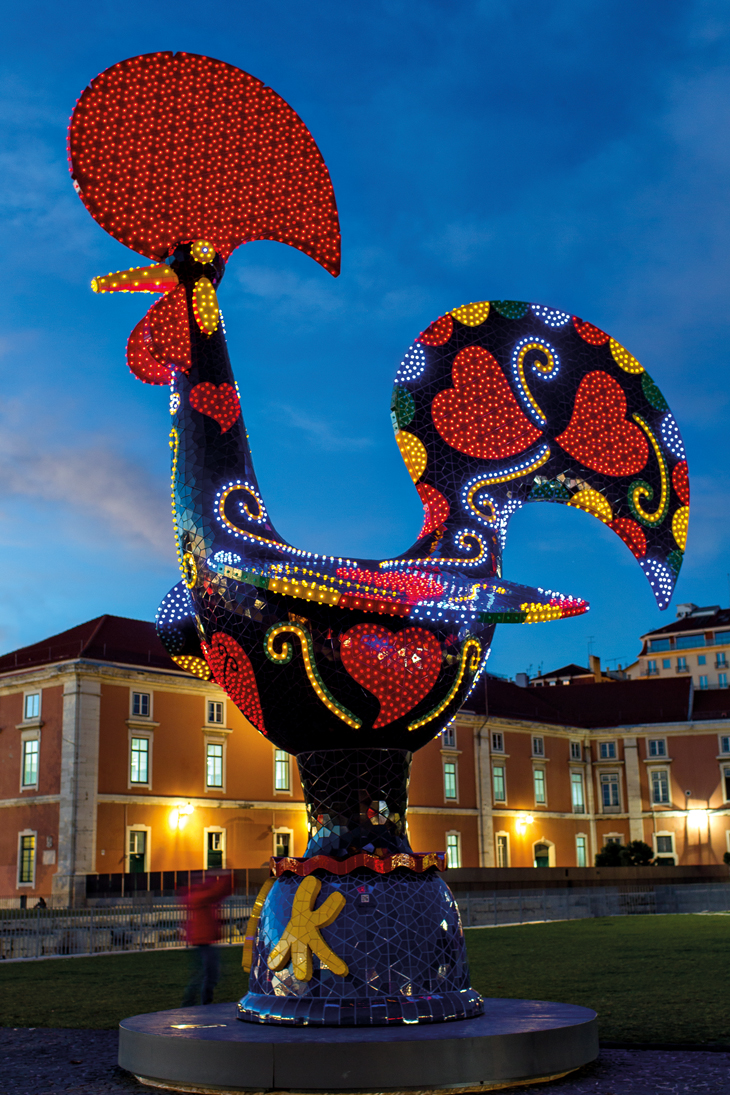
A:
(83, 1062)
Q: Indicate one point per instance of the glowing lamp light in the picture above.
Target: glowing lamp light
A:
(522, 823)
(180, 816)
(698, 815)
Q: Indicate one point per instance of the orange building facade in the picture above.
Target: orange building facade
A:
(113, 760)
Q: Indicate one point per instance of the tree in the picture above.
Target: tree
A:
(634, 854)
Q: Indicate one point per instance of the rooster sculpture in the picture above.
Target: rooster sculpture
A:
(352, 664)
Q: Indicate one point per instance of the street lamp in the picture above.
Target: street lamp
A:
(180, 816)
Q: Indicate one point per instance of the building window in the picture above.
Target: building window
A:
(726, 781)
(214, 764)
(720, 660)
(453, 848)
(282, 842)
(576, 791)
(139, 761)
(607, 750)
(449, 779)
(609, 791)
(659, 644)
(664, 843)
(660, 786)
(538, 776)
(497, 743)
(538, 747)
(703, 681)
(725, 743)
(502, 850)
(657, 747)
(448, 737)
(498, 780)
(138, 851)
(682, 664)
(651, 668)
(31, 749)
(282, 780)
(581, 851)
(722, 680)
(214, 849)
(541, 853)
(141, 705)
(576, 752)
(666, 663)
(32, 706)
(702, 659)
(26, 859)
(215, 712)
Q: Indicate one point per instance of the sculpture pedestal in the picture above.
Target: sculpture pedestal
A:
(205, 1049)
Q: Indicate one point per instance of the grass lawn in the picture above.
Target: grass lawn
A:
(650, 978)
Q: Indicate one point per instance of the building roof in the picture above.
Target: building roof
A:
(701, 619)
(571, 670)
(104, 639)
(624, 703)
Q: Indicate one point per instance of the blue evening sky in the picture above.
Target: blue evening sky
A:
(570, 152)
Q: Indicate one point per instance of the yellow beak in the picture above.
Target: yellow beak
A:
(140, 279)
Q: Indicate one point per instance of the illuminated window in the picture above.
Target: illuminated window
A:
(660, 786)
(215, 712)
(575, 751)
(449, 780)
(32, 708)
(214, 764)
(139, 760)
(607, 750)
(497, 743)
(576, 791)
(31, 749)
(26, 858)
(453, 849)
(141, 704)
(282, 768)
(502, 850)
(538, 776)
(609, 791)
(581, 851)
(538, 747)
(498, 780)
(658, 747)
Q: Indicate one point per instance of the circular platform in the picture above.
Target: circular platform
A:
(206, 1049)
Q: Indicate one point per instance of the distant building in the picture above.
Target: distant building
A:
(695, 645)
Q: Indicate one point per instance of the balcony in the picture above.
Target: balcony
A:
(682, 669)
(721, 664)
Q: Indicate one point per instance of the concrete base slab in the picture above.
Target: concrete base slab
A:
(207, 1050)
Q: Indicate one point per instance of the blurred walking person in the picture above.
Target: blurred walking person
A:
(203, 930)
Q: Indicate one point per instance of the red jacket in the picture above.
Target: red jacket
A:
(203, 925)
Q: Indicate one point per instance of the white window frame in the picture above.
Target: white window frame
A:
(454, 833)
(538, 746)
(704, 681)
(671, 835)
(579, 773)
(282, 790)
(215, 739)
(610, 809)
(497, 835)
(33, 692)
(497, 741)
(725, 781)
(216, 699)
(135, 732)
(662, 742)
(141, 692)
(722, 751)
(615, 838)
(539, 768)
(282, 829)
(138, 828)
(608, 742)
(448, 737)
(584, 837)
(727, 839)
(26, 885)
(455, 764)
(224, 842)
(576, 750)
(503, 767)
(25, 736)
(550, 847)
(658, 769)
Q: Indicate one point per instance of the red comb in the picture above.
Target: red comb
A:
(167, 148)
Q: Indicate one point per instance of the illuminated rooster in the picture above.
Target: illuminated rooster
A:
(495, 404)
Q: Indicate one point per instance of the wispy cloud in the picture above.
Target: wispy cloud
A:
(320, 433)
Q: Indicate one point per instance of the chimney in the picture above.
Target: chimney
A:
(522, 680)
(596, 668)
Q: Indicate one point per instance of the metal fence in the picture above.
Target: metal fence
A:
(38, 933)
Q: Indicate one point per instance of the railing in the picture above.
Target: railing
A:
(39, 933)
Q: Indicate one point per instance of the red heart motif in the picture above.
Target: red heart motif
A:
(599, 435)
(398, 667)
(479, 415)
(233, 671)
(219, 403)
